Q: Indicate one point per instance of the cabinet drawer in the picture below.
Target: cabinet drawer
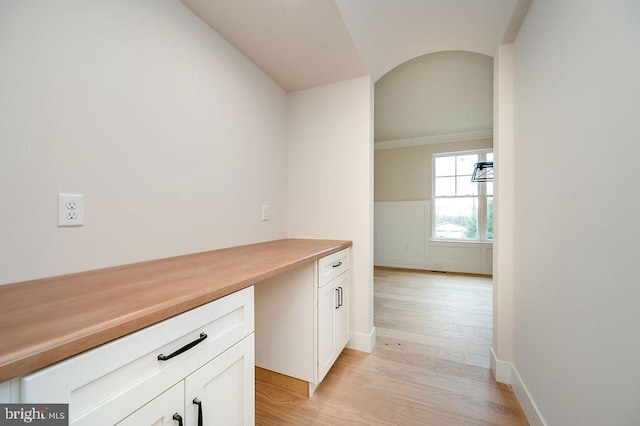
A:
(333, 265)
(113, 380)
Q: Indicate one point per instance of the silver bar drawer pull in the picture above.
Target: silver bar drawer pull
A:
(337, 264)
(183, 349)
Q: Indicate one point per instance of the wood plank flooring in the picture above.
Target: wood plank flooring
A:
(429, 365)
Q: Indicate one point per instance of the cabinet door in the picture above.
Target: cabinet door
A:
(342, 314)
(225, 388)
(327, 305)
(160, 411)
(333, 322)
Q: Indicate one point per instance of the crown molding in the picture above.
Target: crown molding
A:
(430, 140)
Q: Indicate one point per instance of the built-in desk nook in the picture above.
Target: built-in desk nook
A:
(177, 339)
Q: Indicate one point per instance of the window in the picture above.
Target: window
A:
(463, 210)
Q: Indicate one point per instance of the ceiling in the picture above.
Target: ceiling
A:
(307, 43)
(442, 93)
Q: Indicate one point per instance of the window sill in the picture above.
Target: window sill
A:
(434, 240)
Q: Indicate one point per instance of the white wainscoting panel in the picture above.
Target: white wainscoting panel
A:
(403, 240)
(401, 229)
(457, 256)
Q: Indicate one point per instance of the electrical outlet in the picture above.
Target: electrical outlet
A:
(265, 212)
(70, 210)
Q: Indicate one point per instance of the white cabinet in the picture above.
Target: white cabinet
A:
(333, 319)
(220, 392)
(302, 319)
(126, 381)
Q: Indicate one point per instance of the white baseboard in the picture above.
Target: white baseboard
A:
(363, 342)
(501, 370)
(392, 262)
(526, 401)
(505, 372)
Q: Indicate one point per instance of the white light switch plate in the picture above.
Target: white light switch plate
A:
(70, 210)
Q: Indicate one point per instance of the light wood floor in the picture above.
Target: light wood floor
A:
(429, 365)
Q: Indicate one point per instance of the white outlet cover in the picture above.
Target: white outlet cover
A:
(70, 210)
(265, 212)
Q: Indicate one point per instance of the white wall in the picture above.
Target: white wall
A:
(330, 181)
(576, 292)
(174, 137)
(405, 174)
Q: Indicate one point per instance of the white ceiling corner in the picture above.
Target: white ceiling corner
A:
(389, 33)
(307, 43)
(298, 43)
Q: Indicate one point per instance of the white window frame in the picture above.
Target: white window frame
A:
(482, 198)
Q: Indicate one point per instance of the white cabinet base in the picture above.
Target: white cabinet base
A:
(285, 323)
(108, 384)
(302, 322)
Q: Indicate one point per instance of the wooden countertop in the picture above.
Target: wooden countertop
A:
(45, 321)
